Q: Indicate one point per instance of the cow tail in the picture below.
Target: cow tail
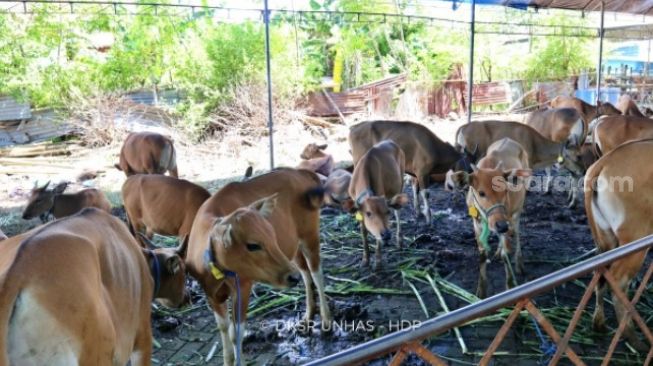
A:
(315, 197)
(9, 291)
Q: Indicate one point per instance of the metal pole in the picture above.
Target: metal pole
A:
(598, 69)
(470, 78)
(266, 18)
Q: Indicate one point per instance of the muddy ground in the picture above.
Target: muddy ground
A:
(553, 237)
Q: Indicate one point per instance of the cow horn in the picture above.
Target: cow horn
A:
(183, 247)
(147, 242)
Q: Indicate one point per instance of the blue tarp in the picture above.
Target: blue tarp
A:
(518, 4)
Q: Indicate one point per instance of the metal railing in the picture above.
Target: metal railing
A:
(407, 341)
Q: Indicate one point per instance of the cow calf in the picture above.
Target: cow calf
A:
(43, 202)
(495, 199)
(376, 187)
(161, 204)
(147, 153)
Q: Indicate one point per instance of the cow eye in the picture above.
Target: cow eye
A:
(252, 247)
(369, 214)
(481, 193)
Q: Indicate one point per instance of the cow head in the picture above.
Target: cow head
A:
(245, 242)
(375, 213)
(41, 199)
(467, 158)
(312, 151)
(169, 274)
(488, 193)
(606, 109)
(571, 157)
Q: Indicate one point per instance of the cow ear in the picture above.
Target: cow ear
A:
(399, 201)
(173, 264)
(182, 249)
(42, 188)
(226, 237)
(60, 188)
(474, 168)
(512, 175)
(348, 205)
(322, 147)
(460, 180)
(265, 206)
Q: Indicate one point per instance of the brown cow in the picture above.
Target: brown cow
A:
(148, 153)
(161, 204)
(427, 157)
(619, 211)
(43, 202)
(496, 195)
(376, 186)
(260, 230)
(562, 125)
(77, 291)
(587, 157)
(337, 188)
(613, 131)
(558, 124)
(628, 107)
(587, 111)
(316, 160)
(541, 151)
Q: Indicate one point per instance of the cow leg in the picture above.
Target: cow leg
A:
(399, 239)
(573, 193)
(426, 210)
(598, 318)
(413, 183)
(519, 260)
(149, 233)
(300, 259)
(366, 248)
(481, 290)
(510, 276)
(624, 271)
(239, 321)
(222, 319)
(548, 180)
(142, 353)
(311, 251)
(377, 255)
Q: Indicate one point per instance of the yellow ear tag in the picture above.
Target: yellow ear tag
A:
(359, 217)
(473, 211)
(561, 159)
(216, 272)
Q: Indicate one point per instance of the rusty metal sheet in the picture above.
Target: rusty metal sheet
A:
(44, 125)
(12, 110)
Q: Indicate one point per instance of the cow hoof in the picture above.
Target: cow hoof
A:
(303, 327)
(598, 324)
(365, 263)
(633, 340)
(480, 293)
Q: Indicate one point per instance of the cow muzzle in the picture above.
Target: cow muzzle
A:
(386, 235)
(292, 280)
(502, 226)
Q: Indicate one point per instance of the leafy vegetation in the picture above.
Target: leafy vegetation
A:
(53, 59)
